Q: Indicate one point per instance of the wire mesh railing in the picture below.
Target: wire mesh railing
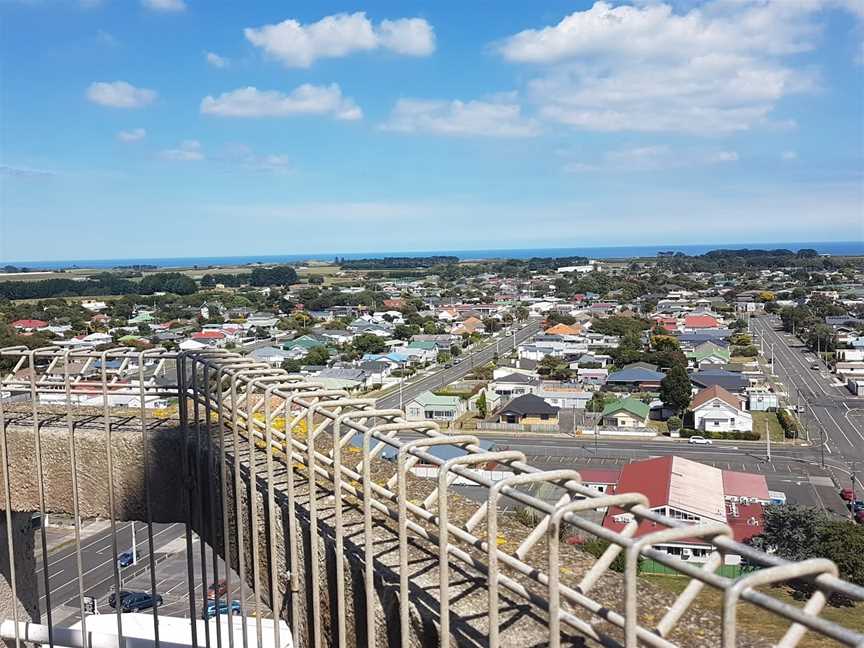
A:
(283, 480)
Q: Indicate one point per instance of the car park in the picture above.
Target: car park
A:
(699, 440)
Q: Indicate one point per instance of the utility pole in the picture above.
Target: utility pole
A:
(772, 359)
(768, 441)
(852, 474)
(822, 444)
(134, 546)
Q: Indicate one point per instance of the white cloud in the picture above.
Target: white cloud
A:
(167, 6)
(789, 155)
(298, 45)
(133, 135)
(247, 158)
(215, 60)
(716, 68)
(119, 94)
(724, 156)
(306, 99)
(649, 158)
(187, 151)
(458, 118)
(25, 172)
(408, 36)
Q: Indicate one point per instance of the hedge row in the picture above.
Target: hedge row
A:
(790, 425)
(728, 436)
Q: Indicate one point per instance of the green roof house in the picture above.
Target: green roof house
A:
(432, 407)
(626, 413)
(306, 342)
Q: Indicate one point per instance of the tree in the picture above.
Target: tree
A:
(675, 389)
(277, 276)
(317, 356)
(292, 366)
(554, 368)
(368, 343)
(316, 280)
(674, 423)
(482, 405)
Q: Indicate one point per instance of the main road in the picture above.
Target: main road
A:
(834, 418)
(500, 343)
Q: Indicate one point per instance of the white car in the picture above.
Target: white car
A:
(699, 440)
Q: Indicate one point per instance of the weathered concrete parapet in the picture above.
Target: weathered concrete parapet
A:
(91, 456)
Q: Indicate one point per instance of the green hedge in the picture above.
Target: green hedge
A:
(726, 436)
(790, 425)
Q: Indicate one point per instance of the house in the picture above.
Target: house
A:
(514, 384)
(29, 324)
(686, 490)
(626, 413)
(93, 305)
(469, 325)
(210, 338)
(762, 400)
(304, 342)
(590, 376)
(433, 407)
(717, 410)
(700, 322)
(564, 395)
(637, 378)
(270, 354)
(376, 370)
(729, 380)
(143, 317)
(564, 329)
(347, 378)
(708, 354)
(528, 409)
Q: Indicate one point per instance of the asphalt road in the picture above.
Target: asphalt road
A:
(832, 414)
(97, 566)
(467, 363)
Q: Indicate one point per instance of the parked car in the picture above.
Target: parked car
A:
(217, 590)
(125, 559)
(857, 505)
(135, 601)
(859, 517)
(699, 440)
(815, 366)
(224, 608)
(112, 598)
(847, 494)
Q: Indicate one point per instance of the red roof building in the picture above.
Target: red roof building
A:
(692, 492)
(699, 322)
(208, 335)
(29, 324)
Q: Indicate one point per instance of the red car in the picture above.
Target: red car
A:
(847, 494)
(217, 590)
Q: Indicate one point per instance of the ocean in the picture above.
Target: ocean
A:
(836, 248)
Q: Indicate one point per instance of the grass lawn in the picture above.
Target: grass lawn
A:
(741, 360)
(761, 622)
(759, 420)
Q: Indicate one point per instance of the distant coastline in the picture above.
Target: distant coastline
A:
(834, 248)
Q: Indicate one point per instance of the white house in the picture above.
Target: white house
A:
(717, 410)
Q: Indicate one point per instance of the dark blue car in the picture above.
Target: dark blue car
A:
(125, 559)
(134, 601)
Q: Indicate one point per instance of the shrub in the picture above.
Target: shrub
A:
(674, 423)
(790, 425)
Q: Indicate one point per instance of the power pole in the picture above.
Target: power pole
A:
(822, 443)
(134, 546)
(768, 441)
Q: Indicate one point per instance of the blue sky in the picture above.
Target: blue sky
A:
(149, 128)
